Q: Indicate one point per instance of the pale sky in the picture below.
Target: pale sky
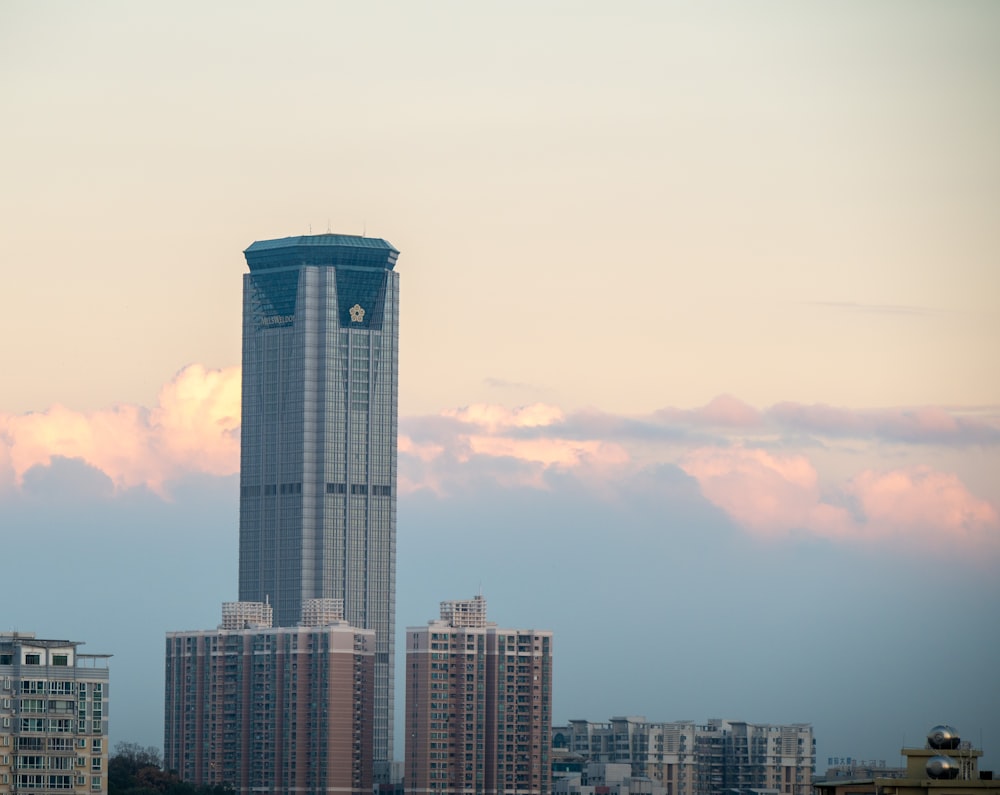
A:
(703, 295)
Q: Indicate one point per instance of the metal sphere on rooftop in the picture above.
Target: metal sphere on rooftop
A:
(942, 767)
(943, 738)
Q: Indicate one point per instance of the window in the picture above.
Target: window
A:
(95, 782)
(60, 659)
(95, 763)
(32, 659)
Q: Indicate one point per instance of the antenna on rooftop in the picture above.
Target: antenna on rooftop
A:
(364, 228)
(328, 231)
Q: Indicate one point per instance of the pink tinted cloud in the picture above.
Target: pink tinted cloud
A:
(550, 452)
(921, 500)
(487, 441)
(193, 428)
(492, 418)
(769, 494)
(774, 494)
(921, 424)
(723, 411)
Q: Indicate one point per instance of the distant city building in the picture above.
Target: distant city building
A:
(272, 709)
(946, 765)
(851, 768)
(53, 716)
(478, 705)
(685, 758)
(600, 778)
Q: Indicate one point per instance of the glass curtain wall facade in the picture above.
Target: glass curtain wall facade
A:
(318, 455)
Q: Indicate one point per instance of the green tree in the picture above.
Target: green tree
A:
(137, 770)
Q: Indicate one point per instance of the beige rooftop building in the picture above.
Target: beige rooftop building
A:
(944, 766)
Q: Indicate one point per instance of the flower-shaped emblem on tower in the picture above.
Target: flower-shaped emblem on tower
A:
(357, 314)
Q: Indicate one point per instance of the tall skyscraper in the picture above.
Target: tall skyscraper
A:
(478, 705)
(318, 458)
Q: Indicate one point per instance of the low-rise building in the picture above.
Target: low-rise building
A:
(944, 766)
(599, 778)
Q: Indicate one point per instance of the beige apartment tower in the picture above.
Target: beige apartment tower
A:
(53, 716)
(478, 705)
(272, 709)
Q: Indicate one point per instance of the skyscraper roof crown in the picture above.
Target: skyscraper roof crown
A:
(342, 251)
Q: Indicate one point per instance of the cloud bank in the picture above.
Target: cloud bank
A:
(767, 470)
(194, 428)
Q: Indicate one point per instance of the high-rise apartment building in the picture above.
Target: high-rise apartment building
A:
(272, 709)
(478, 705)
(700, 759)
(318, 456)
(53, 716)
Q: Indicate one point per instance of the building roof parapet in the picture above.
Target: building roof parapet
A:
(38, 643)
(299, 630)
(345, 251)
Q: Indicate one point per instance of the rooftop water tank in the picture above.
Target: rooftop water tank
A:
(942, 767)
(943, 738)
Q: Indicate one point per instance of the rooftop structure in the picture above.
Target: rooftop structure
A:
(246, 615)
